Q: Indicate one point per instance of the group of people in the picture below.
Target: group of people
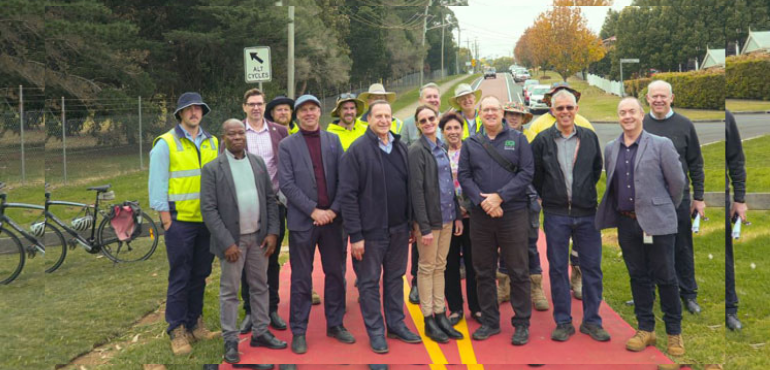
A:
(466, 186)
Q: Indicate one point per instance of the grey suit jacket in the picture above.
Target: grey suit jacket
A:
(297, 179)
(658, 183)
(219, 205)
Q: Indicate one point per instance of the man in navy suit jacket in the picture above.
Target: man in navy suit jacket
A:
(308, 177)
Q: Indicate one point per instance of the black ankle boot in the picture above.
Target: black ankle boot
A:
(433, 331)
(443, 323)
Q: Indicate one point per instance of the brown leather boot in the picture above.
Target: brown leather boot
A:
(180, 344)
(202, 333)
(538, 296)
(641, 340)
(675, 345)
(576, 282)
(503, 288)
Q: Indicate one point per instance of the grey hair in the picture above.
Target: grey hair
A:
(379, 102)
(660, 82)
(561, 93)
(638, 102)
(232, 120)
(428, 86)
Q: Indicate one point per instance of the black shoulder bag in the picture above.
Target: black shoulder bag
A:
(510, 167)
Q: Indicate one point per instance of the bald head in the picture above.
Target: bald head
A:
(234, 132)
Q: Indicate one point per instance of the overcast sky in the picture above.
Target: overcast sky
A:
(498, 24)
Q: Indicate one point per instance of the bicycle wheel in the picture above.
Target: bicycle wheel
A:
(55, 248)
(139, 248)
(11, 256)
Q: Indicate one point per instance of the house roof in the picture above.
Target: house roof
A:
(756, 41)
(714, 58)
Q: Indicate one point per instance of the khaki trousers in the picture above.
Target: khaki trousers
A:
(430, 270)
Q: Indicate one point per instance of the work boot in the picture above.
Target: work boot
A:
(538, 296)
(180, 344)
(503, 288)
(433, 332)
(641, 340)
(316, 298)
(201, 333)
(446, 326)
(153, 367)
(576, 282)
(675, 345)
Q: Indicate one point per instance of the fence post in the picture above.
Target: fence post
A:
(64, 138)
(141, 154)
(21, 126)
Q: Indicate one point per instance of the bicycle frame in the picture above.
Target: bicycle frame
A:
(5, 220)
(88, 244)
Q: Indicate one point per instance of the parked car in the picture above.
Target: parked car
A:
(527, 85)
(536, 94)
(521, 75)
(490, 73)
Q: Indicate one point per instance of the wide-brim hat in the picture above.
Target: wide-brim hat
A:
(378, 89)
(515, 107)
(360, 105)
(548, 95)
(461, 90)
(278, 100)
(187, 99)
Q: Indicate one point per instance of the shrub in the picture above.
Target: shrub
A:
(748, 76)
(704, 89)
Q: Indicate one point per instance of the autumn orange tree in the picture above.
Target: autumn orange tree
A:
(560, 40)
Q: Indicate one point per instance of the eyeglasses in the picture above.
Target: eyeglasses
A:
(425, 120)
(562, 108)
(252, 105)
(347, 96)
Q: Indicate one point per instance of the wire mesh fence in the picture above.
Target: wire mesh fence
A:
(65, 141)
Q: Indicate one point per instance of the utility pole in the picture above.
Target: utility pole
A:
(21, 128)
(457, 52)
(424, 31)
(64, 138)
(290, 73)
(443, 28)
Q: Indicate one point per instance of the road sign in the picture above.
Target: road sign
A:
(256, 62)
(467, 64)
(473, 62)
(632, 60)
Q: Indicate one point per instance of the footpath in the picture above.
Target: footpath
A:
(446, 88)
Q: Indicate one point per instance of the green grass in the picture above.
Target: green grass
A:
(739, 105)
(409, 97)
(596, 105)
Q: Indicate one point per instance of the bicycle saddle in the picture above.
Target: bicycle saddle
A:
(101, 189)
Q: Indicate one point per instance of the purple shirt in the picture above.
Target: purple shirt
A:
(260, 143)
(623, 179)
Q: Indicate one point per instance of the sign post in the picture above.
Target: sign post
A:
(256, 63)
(623, 86)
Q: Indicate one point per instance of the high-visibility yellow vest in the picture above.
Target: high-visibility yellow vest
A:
(347, 137)
(184, 180)
(547, 120)
(293, 127)
(466, 132)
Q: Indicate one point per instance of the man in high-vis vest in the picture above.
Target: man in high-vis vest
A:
(347, 127)
(377, 92)
(464, 102)
(176, 160)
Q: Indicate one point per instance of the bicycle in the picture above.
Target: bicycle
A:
(103, 239)
(12, 254)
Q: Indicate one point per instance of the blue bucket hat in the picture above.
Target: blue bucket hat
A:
(187, 99)
(307, 98)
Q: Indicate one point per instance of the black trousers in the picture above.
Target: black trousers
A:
(731, 298)
(453, 286)
(273, 270)
(302, 247)
(415, 262)
(684, 260)
(509, 233)
(649, 265)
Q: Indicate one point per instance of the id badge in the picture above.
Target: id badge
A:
(647, 238)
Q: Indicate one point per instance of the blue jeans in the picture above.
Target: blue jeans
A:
(558, 231)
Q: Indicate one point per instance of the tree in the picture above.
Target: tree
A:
(582, 2)
(560, 40)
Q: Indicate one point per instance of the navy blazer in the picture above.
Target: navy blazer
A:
(297, 179)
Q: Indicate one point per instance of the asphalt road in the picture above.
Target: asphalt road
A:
(750, 126)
